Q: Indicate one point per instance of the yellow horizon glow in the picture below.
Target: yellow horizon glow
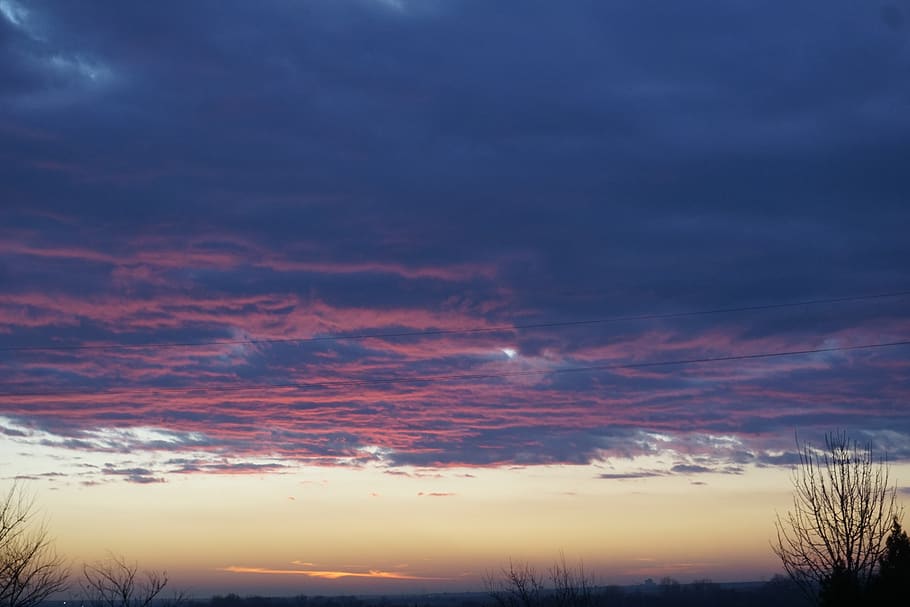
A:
(365, 529)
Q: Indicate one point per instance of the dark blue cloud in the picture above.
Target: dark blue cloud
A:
(628, 475)
(140, 476)
(183, 172)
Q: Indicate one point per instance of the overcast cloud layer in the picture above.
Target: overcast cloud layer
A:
(223, 177)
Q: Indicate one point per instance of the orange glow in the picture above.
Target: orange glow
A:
(332, 575)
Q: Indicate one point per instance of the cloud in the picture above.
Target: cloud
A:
(628, 475)
(14, 12)
(790, 458)
(199, 466)
(139, 476)
(690, 469)
(40, 476)
(329, 575)
(209, 265)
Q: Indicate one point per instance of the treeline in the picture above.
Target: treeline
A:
(778, 592)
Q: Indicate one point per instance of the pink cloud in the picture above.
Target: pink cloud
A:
(157, 255)
(451, 396)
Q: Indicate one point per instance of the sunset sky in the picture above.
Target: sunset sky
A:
(372, 296)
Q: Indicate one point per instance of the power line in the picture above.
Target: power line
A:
(438, 332)
(349, 383)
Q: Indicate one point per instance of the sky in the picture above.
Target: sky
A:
(373, 296)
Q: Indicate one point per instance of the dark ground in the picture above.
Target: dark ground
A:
(777, 593)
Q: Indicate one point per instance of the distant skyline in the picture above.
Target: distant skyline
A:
(374, 295)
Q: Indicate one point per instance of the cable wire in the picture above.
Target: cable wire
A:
(349, 383)
(465, 331)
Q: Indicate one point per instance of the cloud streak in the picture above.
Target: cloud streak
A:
(331, 575)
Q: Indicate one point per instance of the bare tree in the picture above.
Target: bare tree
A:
(572, 586)
(115, 582)
(30, 568)
(843, 508)
(520, 585)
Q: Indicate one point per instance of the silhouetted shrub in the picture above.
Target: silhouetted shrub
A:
(892, 584)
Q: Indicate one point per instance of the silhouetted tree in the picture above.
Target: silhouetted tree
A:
(572, 586)
(114, 582)
(892, 585)
(841, 588)
(520, 585)
(833, 539)
(30, 568)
